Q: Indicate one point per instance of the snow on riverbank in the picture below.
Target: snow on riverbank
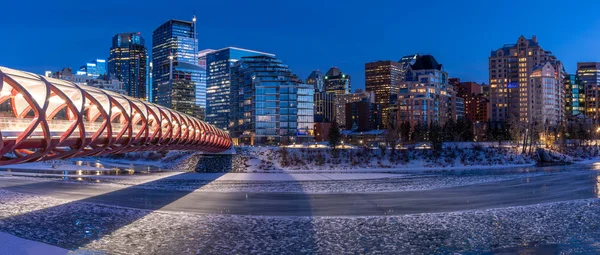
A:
(128, 231)
(259, 159)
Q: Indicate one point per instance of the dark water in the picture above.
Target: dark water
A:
(83, 174)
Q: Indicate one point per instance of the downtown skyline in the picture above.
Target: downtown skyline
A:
(327, 39)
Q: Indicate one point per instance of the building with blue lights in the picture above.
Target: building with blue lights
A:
(128, 63)
(218, 100)
(175, 71)
(269, 104)
(575, 97)
(589, 75)
(93, 68)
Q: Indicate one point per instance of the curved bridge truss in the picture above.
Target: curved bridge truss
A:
(44, 118)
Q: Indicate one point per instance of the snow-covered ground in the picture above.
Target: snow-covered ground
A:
(258, 159)
(92, 229)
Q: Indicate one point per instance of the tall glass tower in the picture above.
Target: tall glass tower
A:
(128, 63)
(269, 104)
(218, 65)
(175, 71)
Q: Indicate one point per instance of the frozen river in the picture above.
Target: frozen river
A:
(560, 184)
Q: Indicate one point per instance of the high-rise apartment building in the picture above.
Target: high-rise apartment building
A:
(269, 104)
(513, 95)
(406, 62)
(337, 82)
(128, 63)
(176, 73)
(383, 78)
(575, 96)
(589, 75)
(218, 79)
(94, 68)
(340, 101)
(476, 104)
(425, 95)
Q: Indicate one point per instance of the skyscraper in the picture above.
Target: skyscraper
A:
(94, 68)
(337, 82)
(201, 86)
(589, 75)
(127, 63)
(512, 93)
(218, 100)
(575, 97)
(324, 110)
(316, 79)
(175, 72)
(383, 78)
(269, 104)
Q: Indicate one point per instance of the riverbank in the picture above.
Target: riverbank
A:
(275, 159)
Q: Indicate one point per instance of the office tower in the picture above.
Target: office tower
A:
(363, 116)
(175, 71)
(269, 104)
(512, 93)
(149, 86)
(202, 56)
(93, 68)
(575, 96)
(383, 78)
(317, 80)
(324, 109)
(589, 75)
(324, 102)
(337, 82)
(340, 101)
(425, 96)
(218, 65)
(127, 63)
(476, 104)
(201, 85)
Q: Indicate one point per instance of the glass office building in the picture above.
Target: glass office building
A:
(93, 68)
(269, 104)
(128, 63)
(589, 75)
(175, 71)
(575, 98)
(218, 65)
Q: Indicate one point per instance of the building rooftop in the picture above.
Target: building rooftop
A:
(426, 62)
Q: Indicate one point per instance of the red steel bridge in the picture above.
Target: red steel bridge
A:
(43, 118)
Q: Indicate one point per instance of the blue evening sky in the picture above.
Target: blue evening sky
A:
(44, 35)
